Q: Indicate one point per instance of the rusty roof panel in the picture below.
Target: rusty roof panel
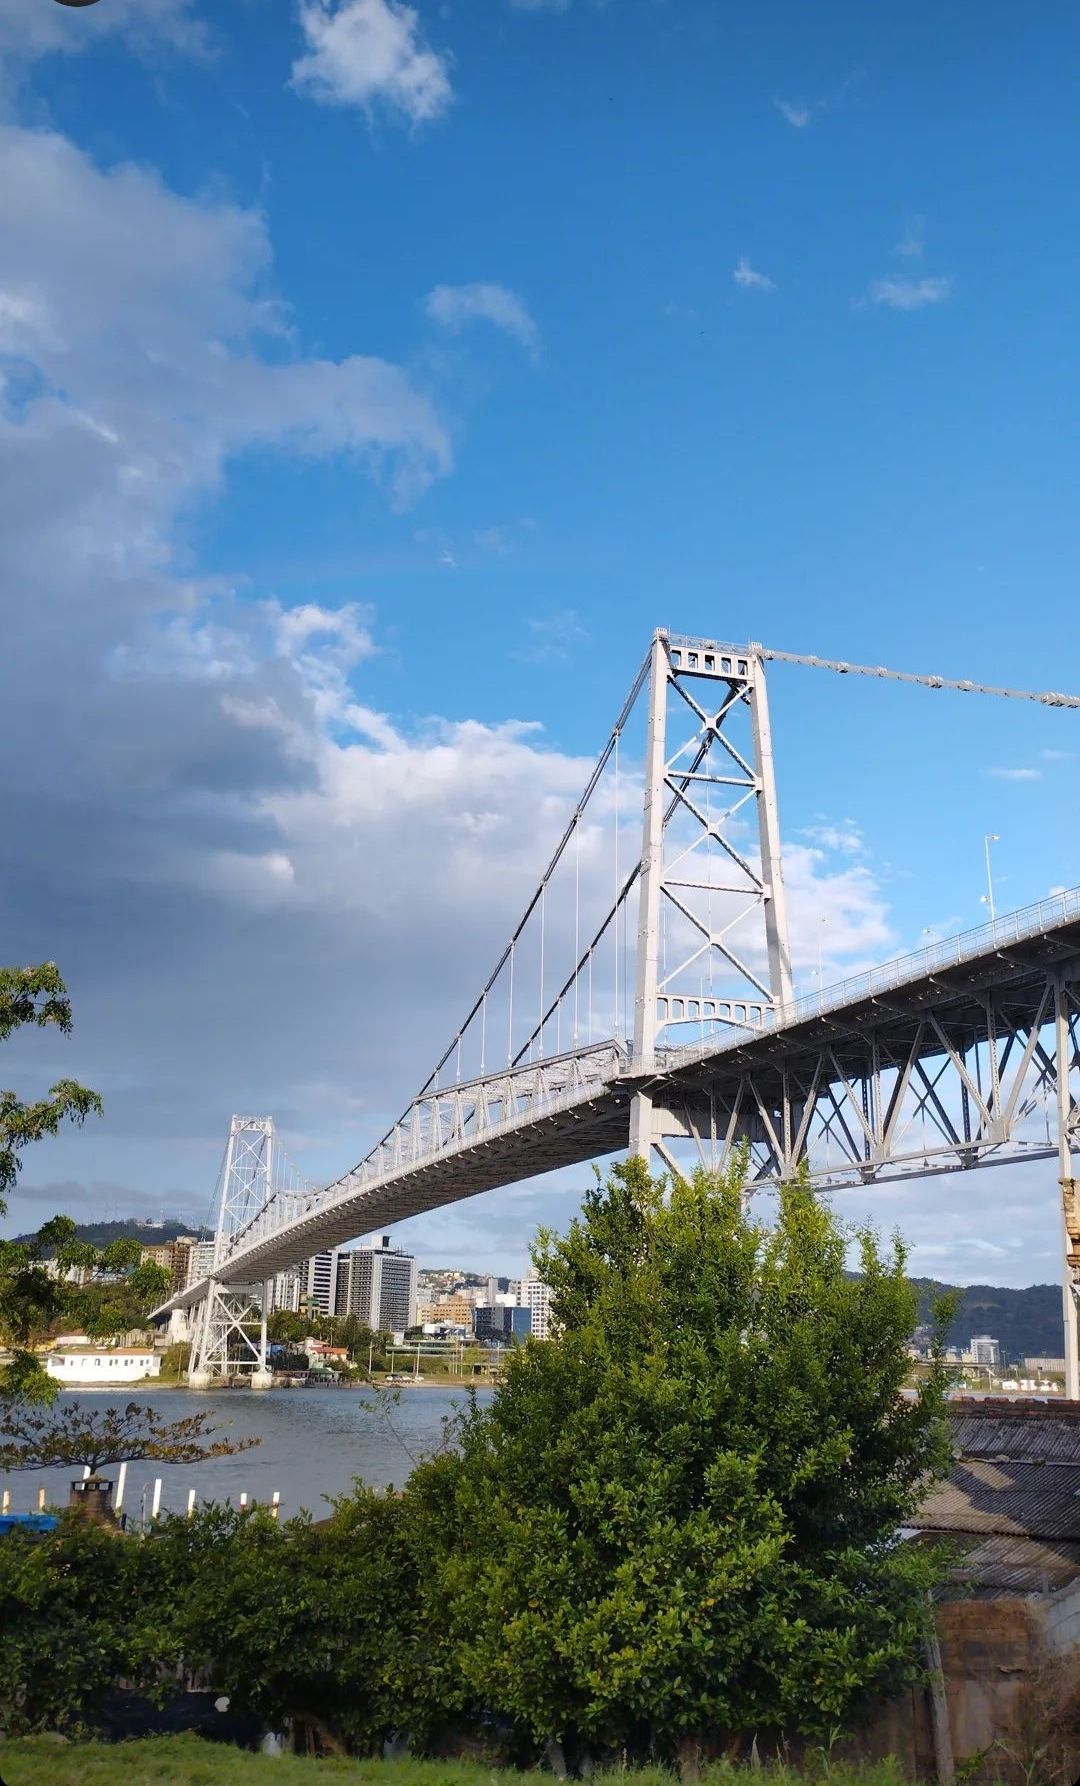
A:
(996, 1566)
(1030, 1500)
(1034, 1432)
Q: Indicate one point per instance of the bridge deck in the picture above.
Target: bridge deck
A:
(917, 1004)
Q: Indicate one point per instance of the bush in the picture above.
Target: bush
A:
(69, 1601)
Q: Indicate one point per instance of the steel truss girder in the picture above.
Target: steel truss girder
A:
(948, 1096)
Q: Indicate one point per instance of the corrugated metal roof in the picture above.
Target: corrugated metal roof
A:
(1030, 1500)
(996, 1566)
(1036, 1432)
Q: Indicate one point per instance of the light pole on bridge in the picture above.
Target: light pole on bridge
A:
(988, 839)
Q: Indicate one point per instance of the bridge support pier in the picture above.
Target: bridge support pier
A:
(1070, 1190)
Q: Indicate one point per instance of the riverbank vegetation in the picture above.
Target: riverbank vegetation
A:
(672, 1529)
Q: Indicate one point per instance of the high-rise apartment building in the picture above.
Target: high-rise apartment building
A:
(200, 1261)
(984, 1349)
(285, 1292)
(378, 1285)
(536, 1297)
(319, 1282)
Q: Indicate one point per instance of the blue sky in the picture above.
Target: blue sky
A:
(373, 380)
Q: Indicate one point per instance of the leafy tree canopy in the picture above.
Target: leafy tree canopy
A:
(33, 1297)
(679, 1517)
(36, 995)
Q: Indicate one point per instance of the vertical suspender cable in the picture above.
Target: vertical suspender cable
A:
(577, 923)
(510, 1035)
(543, 930)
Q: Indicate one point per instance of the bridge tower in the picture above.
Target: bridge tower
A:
(712, 938)
(223, 1344)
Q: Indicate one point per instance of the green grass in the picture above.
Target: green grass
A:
(188, 1761)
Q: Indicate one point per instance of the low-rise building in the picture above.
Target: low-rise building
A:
(102, 1367)
(503, 1323)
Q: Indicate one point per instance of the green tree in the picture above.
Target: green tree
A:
(35, 1291)
(35, 996)
(679, 1517)
(34, 1440)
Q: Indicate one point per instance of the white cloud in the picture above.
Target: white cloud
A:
(494, 540)
(913, 240)
(1015, 774)
(909, 294)
(845, 837)
(797, 115)
(553, 638)
(30, 28)
(368, 52)
(452, 306)
(746, 276)
(1056, 756)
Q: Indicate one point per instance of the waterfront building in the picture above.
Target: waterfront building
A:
(985, 1350)
(378, 1285)
(103, 1367)
(536, 1297)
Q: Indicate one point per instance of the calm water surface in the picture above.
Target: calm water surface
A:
(315, 1443)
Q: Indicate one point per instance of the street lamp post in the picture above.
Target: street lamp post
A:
(989, 838)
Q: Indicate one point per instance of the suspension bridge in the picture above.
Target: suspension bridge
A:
(645, 1001)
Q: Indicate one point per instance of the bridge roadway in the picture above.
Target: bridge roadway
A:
(972, 1012)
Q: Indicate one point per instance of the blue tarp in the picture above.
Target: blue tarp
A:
(27, 1522)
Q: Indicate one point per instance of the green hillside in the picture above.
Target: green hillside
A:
(1028, 1322)
(99, 1234)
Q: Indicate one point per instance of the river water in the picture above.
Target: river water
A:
(314, 1444)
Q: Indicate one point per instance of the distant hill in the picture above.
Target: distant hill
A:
(101, 1233)
(1029, 1322)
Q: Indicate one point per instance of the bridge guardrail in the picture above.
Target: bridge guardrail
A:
(1012, 927)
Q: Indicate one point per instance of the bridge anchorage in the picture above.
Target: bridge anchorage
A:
(645, 999)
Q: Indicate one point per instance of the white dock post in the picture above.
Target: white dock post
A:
(86, 1472)
(243, 1500)
(190, 1502)
(155, 1505)
(275, 1504)
(5, 1501)
(41, 1500)
(121, 1484)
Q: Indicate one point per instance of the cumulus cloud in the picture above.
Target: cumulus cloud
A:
(453, 306)
(898, 293)
(751, 280)
(370, 52)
